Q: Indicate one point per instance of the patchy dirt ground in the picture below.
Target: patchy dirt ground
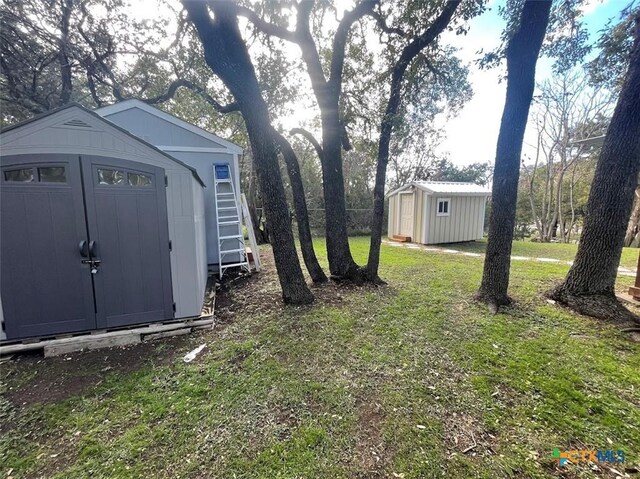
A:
(260, 293)
(30, 378)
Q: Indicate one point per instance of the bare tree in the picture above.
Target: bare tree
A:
(566, 111)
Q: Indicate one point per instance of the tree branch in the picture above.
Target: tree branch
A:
(183, 83)
(63, 57)
(265, 26)
(311, 139)
(309, 49)
(382, 24)
(346, 142)
(365, 7)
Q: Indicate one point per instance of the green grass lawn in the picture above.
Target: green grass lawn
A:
(410, 380)
(565, 252)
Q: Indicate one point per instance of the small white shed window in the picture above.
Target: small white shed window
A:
(443, 207)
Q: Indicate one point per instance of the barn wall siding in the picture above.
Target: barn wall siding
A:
(418, 218)
(464, 223)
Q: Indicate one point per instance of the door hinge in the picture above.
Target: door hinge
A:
(174, 307)
(166, 181)
(170, 246)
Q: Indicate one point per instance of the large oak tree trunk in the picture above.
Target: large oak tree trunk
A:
(522, 56)
(300, 206)
(393, 104)
(227, 56)
(341, 263)
(589, 285)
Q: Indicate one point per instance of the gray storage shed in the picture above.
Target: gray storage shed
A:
(190, 144)
(432, 212)
(99, 229)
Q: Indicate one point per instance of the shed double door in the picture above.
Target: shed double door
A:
(84, 244)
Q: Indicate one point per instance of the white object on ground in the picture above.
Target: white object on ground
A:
(192, 355)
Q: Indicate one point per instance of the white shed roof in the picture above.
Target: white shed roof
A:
(446, 188)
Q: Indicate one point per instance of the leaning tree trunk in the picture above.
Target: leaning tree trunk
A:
(300, 206)
(393, 104)
(228, 57)
(634, 222)
(522, 55)
(589, 285)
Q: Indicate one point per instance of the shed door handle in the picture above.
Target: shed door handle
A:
(83, 247)
(92, 249)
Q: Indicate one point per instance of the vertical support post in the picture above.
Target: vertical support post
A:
(252, 236)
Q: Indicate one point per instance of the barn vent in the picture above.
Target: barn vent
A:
(76, 123)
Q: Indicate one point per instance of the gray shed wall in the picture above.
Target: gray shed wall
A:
(203, 163)
(157, 131)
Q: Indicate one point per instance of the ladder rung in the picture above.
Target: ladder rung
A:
(224, 180)
(234, 222)
(231, 265)
(229, 251)
(222, 238)
(225, 194)
(227, 208)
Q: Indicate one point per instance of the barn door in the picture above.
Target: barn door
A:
(127, 222)
(406, 214)
(45, 286)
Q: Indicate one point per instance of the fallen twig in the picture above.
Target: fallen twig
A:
(473, 446)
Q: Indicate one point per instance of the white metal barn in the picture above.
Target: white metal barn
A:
(190, 144)
(99, 229)
(432, 212)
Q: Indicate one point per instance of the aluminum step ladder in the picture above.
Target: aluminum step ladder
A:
(232, 252)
